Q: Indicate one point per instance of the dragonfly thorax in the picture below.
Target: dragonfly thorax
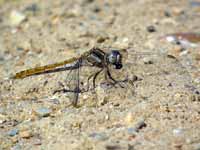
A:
(99, 58)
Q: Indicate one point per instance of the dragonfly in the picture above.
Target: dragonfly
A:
(95, 57)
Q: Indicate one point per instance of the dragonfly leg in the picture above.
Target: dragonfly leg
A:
(95, 76)
(114, 80)
(106, 74)
(65, 91)
(88, 82)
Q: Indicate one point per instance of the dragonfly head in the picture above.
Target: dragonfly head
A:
(115, 58)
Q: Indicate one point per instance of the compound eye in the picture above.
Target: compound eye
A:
(116, 55)
(112, 58)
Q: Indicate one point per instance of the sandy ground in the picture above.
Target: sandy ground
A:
(161, 110)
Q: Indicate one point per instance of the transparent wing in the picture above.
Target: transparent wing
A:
(72, 84)
(81, 80)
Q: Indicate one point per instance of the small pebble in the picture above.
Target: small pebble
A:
(178, 132)
(136, 125)
(151, 29)
(139, 125)
(99, 136)
(2, 119)
(43, 112)
(129, 119)
(17, 147)
(105, 85)
(177, 11)
(54, 101)
(147, 60)
(131, 131)
(33, 8)
(178, 145)
(101, 39)
(167, 13)
(14, 139)
(88, 1)
(195, 3)
(135, 78)
(188, 141)
(96, 9)
(178, 96)
(112, 147)
(16, 18)
(197, 146)
(13, 132)
(74, 11)
(185, 39)
(37, 142)
(26, 134)
(168, 21)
